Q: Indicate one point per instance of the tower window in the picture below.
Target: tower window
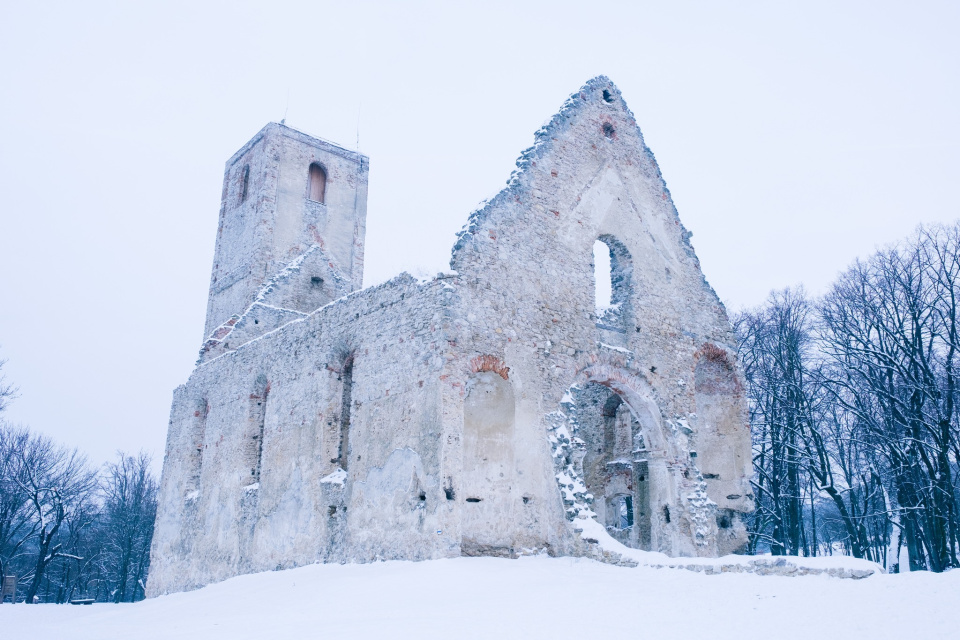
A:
(318, 183)
(244, 182)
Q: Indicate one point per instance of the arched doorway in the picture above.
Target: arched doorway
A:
(615, 463)
(614, 460)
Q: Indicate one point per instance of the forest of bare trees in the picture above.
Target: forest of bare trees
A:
(854, 409)
(69, 531)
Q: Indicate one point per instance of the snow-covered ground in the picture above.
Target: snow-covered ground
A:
(533, 597)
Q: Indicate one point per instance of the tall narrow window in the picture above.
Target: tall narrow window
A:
(194, 453)
(601, 276)
(244, 182)
(256, 420)
(343, 453)
(613, 271)
(318, 183)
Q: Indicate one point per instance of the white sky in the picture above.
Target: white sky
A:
(793, 139)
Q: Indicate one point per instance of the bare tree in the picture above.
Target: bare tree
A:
(16, 522)
(57, 485)
(129, 509)
(890, 324)
(7, 391)
(854, 406)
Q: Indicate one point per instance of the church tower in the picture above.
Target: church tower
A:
(290, 201)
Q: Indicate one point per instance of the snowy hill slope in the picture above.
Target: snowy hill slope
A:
(533, 597)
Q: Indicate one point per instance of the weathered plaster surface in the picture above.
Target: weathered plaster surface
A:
(464, 415)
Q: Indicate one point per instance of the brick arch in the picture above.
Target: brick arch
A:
(714, 353)
(715, 371)
(659, 530)
(611, 371)
(490, 363)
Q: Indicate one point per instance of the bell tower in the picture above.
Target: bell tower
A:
(287, 197)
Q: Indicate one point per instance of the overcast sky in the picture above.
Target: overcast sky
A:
(793, 140)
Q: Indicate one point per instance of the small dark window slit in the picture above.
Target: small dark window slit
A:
(473, 499)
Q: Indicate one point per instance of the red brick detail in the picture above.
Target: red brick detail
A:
(713, 353)
(490, 363)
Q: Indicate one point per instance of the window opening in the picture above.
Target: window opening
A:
(255, 423)
(318, 183)
(603, 293)
(343, 449)
(244, 182)
(195, 452)
(625, 512)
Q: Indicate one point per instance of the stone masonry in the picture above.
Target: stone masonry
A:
(489, 411)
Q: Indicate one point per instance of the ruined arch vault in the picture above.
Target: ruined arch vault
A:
(485, 412)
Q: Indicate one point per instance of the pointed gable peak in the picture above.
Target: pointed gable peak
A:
(600, 101)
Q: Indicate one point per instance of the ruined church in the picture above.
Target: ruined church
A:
(492, 410)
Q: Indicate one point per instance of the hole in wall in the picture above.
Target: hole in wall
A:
(449, 493)
(473, 499)
(244, 182)
(332, 510)
(622, 516)
(601, 276)
(316, 281)
(608, 130)
(711, 476)
(666, 514)
(607, 96)
(318, 183)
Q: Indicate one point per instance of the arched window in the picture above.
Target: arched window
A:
(612, 272)
(318, 183)
(244, 182)
(601, 276)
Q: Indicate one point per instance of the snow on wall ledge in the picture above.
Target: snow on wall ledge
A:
(489, 411)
